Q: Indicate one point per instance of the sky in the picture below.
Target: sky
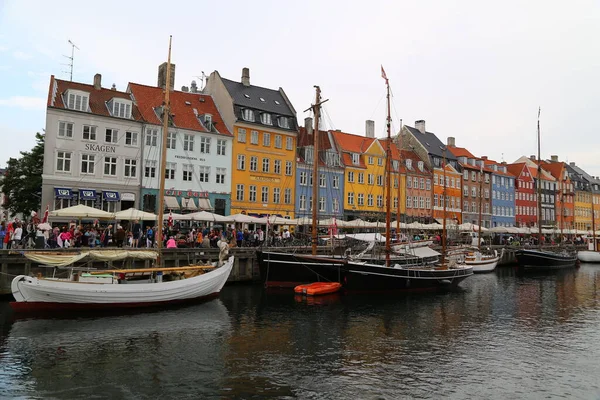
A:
(474, 70)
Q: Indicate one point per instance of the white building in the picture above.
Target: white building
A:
(92, 151)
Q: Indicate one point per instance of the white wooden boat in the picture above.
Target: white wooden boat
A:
(106, 289)
(483, 262)
(589, 256)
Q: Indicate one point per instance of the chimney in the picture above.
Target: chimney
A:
(162, 76)
(451, 142)
(246, 76)
(484, 158)
(97, 81)
(554, 158)
(194, 87)
(308, 125)
(572, 163)
(370, 128)
(184, 89)
(114, 87)
(532, 157)
(420, 125)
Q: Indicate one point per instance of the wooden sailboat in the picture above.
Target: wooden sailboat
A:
(530, 259)
(107, 289)
(292, 269)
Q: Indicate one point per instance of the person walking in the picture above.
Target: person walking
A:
(120, 236)
(17, 235)
(136, 229)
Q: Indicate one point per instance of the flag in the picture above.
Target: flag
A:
(170, 220)
(45, 219)
(383, 75)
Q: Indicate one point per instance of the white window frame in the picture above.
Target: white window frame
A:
(114, 135)
(221, 147)
(264, 194)
(188, 142)
(289, 143)
(187, 172)
(287, 196)
(132, 138)
(65, 130)
(220, 175)
(91, 133)
(278, 141)
(252, 193)
(89, 161)
(266, 164)
(151, 136)
(112, 163)
(288, 168)
(241, 136)
(241, 162)
(239, 192)
(254, 137)
(170, 170)
(204, 145)
(253, 166)
(204, 173)
(130, 168)
(172, 140)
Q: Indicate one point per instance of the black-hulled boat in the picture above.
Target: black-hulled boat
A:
(529, 259)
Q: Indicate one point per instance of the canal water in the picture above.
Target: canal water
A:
(501, 336)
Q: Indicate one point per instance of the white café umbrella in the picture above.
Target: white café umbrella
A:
(81, 211)
(134, 214)
(207, 217)
(245, 219)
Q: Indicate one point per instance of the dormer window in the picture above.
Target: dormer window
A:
(248, 115)
(408, 163)
(309, 155)
(120, 108)
(208, 121)
(395, 165)
(284, 122)
(77, 100)
(420, 165)
(355, 159)
(462, 160)
(265, 119)
(333, 158)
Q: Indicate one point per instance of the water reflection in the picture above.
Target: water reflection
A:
(500, 336)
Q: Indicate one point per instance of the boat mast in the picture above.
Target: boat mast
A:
(593, 222)
(539, 184)
(388, 185)
(163, 155)
(444, 212)
(315, 173)
(480, 205)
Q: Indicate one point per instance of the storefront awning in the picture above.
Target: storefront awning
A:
(63, 193)
(204, 204)
(110, 195)
(87, 194)
(171, 203)
(189, 204)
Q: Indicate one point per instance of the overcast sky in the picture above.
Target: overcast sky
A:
(475, 70)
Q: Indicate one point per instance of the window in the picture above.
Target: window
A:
(289, 143)
(264, 195)
(309, 154)
(395, 165)
(395, 204)
(150, 169)
(361, 177)
(265, 165)
(120, 109)
(170, 170)
(220, 176)
(253, 163)
(241, 162)
(288, 168)
(267, 139)
(87, 163)
(172, 140)
(188, 171)
(351, 176)
(89, 132)
(408, 201)
(276, 195)
(110, 166)
(379, 201)
(322, 180)
(416, 201)
(203, 175)
(422, 202)
(252, 193)
(380, 161)
(111, 135)
(239, 192)
(435, 200)
(205, 145)
(277, 141)
(248, 115)
(221, 146)
(241, 135)
(370, 179)
(277, 167)
(188, 142)
(396, 182)
(360, 199)
(287, 196)
(379, 180)
(303, 178)
(351, 198)
(253, 137)
(336, 205)
(265, 118)
(151, 136)
(369, 200)
(335, 182)
(408, 182)
(370, 160)
(130, 168)
(65, 129)
(473, 191)
(303, 202)
(416, 182)
(487, 193)
(474, 176)
(77, 101)
(408, 163)
(355, 159)
(284, 122)
(322, 204)
(428, 203)
(428, 184)
(422, 183)
(420, 165)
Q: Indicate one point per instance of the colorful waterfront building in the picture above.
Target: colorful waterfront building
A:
(583, 188)
(442, 163)
(565, 194)
(264, 126)
(330, 175)
(548, 188)
(503, 193)
(525, 195)
(476, 186)
(417, 193)
(198, 164)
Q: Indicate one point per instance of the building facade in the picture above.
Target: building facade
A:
(565, 194)
(503, 194)
(264, 127)
(417, 193)
(525, 195)
(92, 151)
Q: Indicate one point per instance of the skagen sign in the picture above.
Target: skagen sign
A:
(100, 148)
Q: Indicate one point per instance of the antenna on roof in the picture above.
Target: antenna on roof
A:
(70, 64)
(502, 157)
(202, 80)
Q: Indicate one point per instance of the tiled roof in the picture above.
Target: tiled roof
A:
(148, 98)
(515, 169)
(490, 163)
(555, 168)
(460, 152)
(430, 142)
(258, 98)
(304, 139)
(97, 98)
(347, 144)
(411, 155)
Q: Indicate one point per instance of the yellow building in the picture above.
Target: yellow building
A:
(263, 122)
(583, 210)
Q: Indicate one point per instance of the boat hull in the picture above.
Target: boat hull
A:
(318, 288)
(290, 270)
(483, 266)
(32, 294)
(589, 256)
(543, 260)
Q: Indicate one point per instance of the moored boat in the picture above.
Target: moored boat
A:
(318, 288)
(588, 256)
(483, 262)
(529, 259)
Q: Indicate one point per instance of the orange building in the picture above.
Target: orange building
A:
(565, 193)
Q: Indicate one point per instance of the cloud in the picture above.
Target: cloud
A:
(3, 48)
(19, 55)
(30, 103)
